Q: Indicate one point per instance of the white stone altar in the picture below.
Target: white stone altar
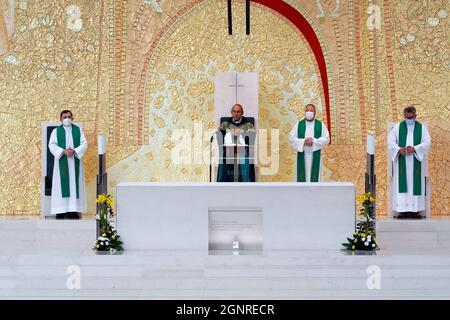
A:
(175, 216)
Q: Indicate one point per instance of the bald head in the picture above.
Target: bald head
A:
(237, 111)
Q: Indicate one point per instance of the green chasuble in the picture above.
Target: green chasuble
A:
(63, 162)
(315, 168)
(417, 167)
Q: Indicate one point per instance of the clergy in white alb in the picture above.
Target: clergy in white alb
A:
(408, 146)
(68, 145)
(309, 137)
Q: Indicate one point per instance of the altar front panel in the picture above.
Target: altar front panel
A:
(174, 216)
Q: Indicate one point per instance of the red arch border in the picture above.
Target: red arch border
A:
(306, 29)
(283, 8)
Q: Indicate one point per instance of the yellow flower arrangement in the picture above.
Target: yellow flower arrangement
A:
(101, 198)
(109, 239)
(105, 213)
(366, 197)
(108, 199)
(364, 237)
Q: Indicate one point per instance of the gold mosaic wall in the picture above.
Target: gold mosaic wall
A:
(115, 71)
(51, 65)
(179, 90)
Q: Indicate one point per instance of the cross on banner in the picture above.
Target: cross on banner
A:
(231, 86)
(236, 85)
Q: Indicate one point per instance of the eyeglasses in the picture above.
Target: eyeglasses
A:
(236, 111)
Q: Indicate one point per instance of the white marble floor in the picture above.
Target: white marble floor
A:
(41, 259)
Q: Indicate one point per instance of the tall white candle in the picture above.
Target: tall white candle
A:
(101, 144)
(370, 143)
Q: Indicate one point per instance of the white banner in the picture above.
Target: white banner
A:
(232, 88)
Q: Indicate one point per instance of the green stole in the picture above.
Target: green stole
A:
(63, 163)
(315, 168)
(417, 168)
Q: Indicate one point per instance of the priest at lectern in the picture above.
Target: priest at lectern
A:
(236, 145)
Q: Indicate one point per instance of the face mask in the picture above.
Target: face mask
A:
(67, 122)
(410, 121)
(309, 115)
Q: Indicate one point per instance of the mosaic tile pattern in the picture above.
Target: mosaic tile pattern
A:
(369, 108)
(421, 67)
(107, 61)
(51, 64)
(179, 89)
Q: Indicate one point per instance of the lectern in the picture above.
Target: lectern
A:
(236, 160)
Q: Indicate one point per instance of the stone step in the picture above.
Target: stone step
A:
(428, 225)
(222, 272)
(390, 233)
(205, 261)
(414, 262)
(217, 294)
(237, 284)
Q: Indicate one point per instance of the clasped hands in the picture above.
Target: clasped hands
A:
(309, 142)
(69, 152)
(407, 150)
(235, 131)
